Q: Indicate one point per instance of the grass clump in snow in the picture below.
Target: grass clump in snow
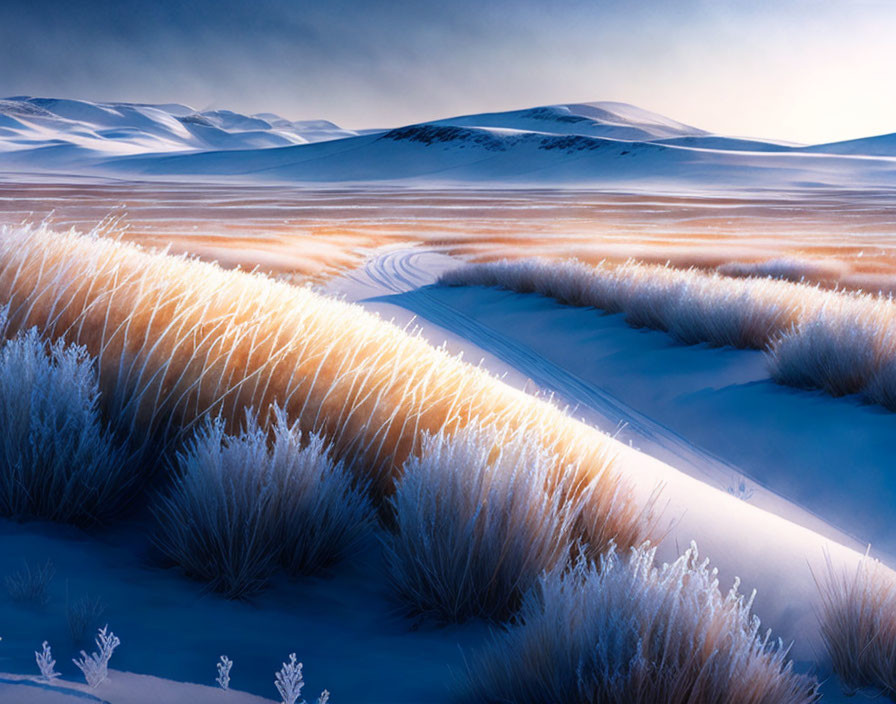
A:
(858, 625)
(31, 585)
(243, 505)
(840, 349)
(478, 516)
(58, 462)
(626, 631)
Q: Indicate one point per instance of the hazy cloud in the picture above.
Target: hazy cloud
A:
(799, 69)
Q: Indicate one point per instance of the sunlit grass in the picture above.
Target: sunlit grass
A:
(178, 340)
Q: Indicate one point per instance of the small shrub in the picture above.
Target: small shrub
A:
(629, 632)
(57, 461)
(45, 663)
(31, 586)
(478, 516)
(223, 678)
(858, 625)
(96, 665)
(242, 505)
(289, 681)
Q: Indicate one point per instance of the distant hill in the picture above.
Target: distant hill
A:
(601, 144)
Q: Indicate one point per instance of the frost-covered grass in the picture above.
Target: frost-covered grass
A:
(629, 632)
(841, 342)
(858, 624)
(478, 516)
(30, 585)
(58, 461)
(178, 340)
(841, 348)
(693, 305)
(84, 615)
(241, 506)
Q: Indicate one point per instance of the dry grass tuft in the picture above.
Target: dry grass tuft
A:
(478, 517)
(58, 461)
(629, 632)
(243, 505)
(858, 624)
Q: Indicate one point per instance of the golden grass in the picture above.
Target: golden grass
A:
(178, 339)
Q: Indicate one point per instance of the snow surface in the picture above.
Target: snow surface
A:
(601, 144)
(343, 626)
(120, 688)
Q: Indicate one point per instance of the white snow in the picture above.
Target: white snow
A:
(120, 688)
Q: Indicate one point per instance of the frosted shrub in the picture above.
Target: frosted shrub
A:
(628, 632)
(57, 461)
(223, 678)
(478, 516)
(288, 680)
(840, 349)
(241, 505)
(96, 665)
(31, 585)
(45, 663)
(858, 625)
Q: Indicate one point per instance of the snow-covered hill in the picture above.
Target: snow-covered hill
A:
(125, 128)
(603, 144)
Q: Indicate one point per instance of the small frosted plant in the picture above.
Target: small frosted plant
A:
(46, 663)
(96, 665)
(289, 680)
(223, 678)
(324, 697)
(30, 586)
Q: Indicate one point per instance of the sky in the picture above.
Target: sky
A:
(800, 70)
